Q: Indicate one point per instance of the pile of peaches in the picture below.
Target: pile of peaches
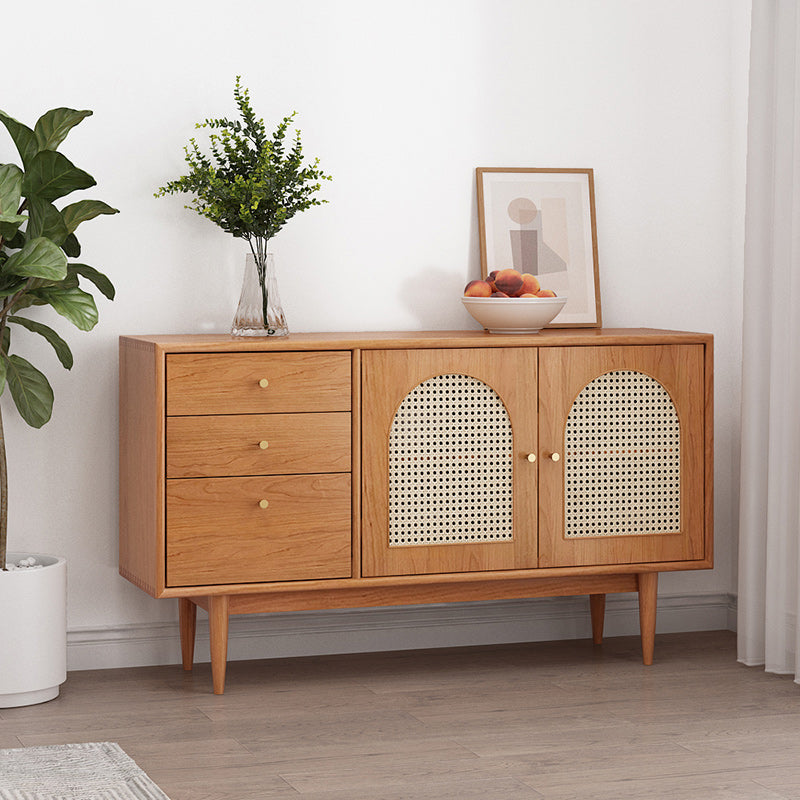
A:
(507, 283)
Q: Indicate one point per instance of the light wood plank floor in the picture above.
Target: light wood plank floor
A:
(546, 720)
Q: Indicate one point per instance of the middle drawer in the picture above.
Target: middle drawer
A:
(258, 444)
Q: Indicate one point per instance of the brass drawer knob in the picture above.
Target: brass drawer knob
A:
(263, 383)
(555, 457)
(263, 503)
(531, 457)
(263, 444)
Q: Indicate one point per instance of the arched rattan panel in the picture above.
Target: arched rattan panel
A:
(450, 465)
(622, 459)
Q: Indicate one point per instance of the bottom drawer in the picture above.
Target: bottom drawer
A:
(250, 530)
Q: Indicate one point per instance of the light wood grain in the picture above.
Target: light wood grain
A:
(420, 593)
(141, 465)
(597, 610)
(552, 720)
(388, 376)
(401, 340)
(648, 590)
(355, 441)
(187, 624)
(708, 434)
(218, 533)
(403, 582)
(320, 542)
(563, 374)
(218, 636)
(258, 444)
(230, 383)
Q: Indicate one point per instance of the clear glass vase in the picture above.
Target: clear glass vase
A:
(260, 312)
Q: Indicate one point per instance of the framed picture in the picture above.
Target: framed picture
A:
(542, 221)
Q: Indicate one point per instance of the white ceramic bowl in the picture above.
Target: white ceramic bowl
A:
(514, 314)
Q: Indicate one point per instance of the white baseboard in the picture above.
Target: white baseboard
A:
(397, 628)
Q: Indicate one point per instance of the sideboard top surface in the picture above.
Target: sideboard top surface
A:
(369, 340)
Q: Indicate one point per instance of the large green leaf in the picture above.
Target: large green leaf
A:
(15, 242)
(10, 189)
(53, 126)
(74, 304)
(97, 278)
(39, 258)
(59, 345)
(75, 213)
(45, 220)
(3, 372)
(9, 226)
(71, 246)
(51, 175)
(31, 391)
(24, 138)
(11, 288)
(10, 196)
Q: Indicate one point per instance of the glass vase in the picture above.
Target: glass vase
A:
(260, 312)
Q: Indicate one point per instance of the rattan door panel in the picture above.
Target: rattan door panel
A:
(627, 423)
(447, 483)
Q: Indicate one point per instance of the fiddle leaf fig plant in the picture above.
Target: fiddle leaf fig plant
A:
(37, 241)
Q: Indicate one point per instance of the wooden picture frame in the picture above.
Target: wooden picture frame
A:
(542, 221)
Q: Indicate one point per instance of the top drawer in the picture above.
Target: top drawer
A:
(257, 383)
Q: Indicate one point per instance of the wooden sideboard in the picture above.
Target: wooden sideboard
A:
(342, 470)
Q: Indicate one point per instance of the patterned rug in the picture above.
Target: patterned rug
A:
(95, 771)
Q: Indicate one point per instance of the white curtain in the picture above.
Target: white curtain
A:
(769, 553)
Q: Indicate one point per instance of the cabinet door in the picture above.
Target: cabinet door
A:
(627, 424)
(447, 483)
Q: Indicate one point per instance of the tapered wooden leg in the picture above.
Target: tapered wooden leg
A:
(218, 633)
(597, 606)
(648, 592)
(187, 622)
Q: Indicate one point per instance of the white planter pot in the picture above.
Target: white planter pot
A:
(33, 631)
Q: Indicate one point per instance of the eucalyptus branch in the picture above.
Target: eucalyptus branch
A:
(248, 186)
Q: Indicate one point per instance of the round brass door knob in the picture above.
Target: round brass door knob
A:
(263, 503)
(263, 444)
(263, 383)
(555, 457)
(531, 457)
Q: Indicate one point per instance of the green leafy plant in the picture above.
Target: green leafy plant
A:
(251, 185)
(36, 242)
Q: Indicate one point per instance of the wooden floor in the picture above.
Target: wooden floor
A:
(555, 720)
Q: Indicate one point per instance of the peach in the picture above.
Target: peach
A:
(546, 293)
(490, 278)
(527, 294)
(508, 281)
(477, 289)
(500, 294)
(530, 284)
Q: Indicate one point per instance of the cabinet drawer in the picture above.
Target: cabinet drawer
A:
(253, 383)
(218, 533)
(258, 444)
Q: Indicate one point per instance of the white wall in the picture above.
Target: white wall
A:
(400, 102)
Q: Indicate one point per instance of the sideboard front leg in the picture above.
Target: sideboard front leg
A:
(187, 622)
(648, 592)
(597, 607)
(218, 633)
